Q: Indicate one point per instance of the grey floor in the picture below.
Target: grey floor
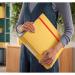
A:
(2, 69)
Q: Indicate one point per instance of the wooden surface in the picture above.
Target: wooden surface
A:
(66, 60)
(12, 58)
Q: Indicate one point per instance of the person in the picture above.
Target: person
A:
(29, 13)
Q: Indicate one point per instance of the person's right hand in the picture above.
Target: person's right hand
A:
(27, 26)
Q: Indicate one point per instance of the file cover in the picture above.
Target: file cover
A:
(44, 37)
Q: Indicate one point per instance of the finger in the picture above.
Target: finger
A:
(48, 61)
(27, 27)
(52, 53)
(46, 55)
(26, 30)
(45, 59)
(24, 27)
(28, 23)
(30, 27)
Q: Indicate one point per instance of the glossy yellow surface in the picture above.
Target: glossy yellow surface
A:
(2, 12)
(42, 39)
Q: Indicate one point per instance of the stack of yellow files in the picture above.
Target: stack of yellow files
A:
(2, 12)
(44, 37)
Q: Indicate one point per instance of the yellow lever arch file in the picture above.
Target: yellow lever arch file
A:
(2, 12)
(44, 37)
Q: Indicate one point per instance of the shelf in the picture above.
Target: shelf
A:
(5, 22)
(2, 37)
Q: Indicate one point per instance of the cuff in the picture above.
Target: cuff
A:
(65, 39)
(18, 32)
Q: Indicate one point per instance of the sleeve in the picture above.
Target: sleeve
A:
(20, 19)
(65, 11)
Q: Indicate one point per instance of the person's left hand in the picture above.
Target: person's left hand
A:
(49, 55)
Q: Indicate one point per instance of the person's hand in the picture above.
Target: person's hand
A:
(49, 55)
(27, 26)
